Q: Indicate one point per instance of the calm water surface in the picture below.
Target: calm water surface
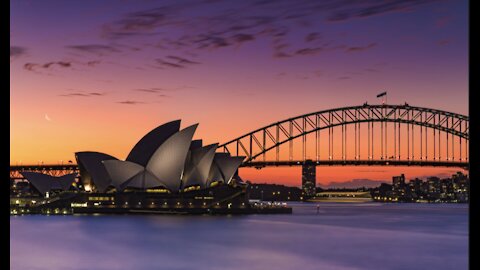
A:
(340, 236)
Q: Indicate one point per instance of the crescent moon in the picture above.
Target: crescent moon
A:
(48, 118)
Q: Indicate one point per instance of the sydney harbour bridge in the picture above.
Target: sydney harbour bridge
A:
(379, 135)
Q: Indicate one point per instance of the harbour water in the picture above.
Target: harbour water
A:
(336, 236)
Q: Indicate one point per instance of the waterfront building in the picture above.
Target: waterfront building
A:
(273, 192)
(166, 171)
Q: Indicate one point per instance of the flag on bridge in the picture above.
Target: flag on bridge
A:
(381, 94)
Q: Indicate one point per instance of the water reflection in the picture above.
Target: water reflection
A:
(341, 236)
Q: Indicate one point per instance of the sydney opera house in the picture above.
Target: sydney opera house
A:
(166, 171)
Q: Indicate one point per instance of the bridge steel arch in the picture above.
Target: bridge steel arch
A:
(258, 142)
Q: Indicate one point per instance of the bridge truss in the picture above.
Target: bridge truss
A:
(53, 170)
(392, 132)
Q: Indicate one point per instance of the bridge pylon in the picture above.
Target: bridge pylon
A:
(308, 179)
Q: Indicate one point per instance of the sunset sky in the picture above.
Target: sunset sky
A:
(98, 75)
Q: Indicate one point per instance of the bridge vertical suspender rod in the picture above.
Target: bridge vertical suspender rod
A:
(329, 136)
(381, 134)
(434, 141)
(426, 139)
(290, 143)
(399, 142)
(466, 143)
(304, 140)
(368, 137)
(277, 149)
(346, 133)
(343, 135)
(395, 136)
(421, 137)
(413, 140)
(356, 134)
(317, 131)
(251, 146)
(319, 137)
(237, 146)
(372, 140)
(264, 144)
(453, 143)
(439, 141)
(460, 141)
(331, 118)
(359, 134)
(448, 154)
(386, 139)
(408, 135)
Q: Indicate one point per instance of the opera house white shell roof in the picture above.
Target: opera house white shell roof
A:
(164, 158)
(46, 183)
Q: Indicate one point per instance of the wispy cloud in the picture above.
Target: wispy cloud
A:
(58, 65)
(137, 23)
(312, 37)
(343, 11)
(156, 90)
(181, 60)
(175, 62)
(309, 51)
(150, 90)
(168, 64)
(221, 27)
(93, 63)
(131, 102)
(83, 94)
(36, 67)
(361, 48)
(239, 38)
(97, 49)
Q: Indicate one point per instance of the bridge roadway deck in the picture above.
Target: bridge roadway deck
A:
(429, 163)
(261, 164)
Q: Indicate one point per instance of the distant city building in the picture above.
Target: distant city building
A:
(308, 179)
(416, 189)
(434, 189)
(461, 186)
(398, 186)
(383, 192)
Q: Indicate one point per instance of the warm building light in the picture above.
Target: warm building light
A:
(88, 188)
